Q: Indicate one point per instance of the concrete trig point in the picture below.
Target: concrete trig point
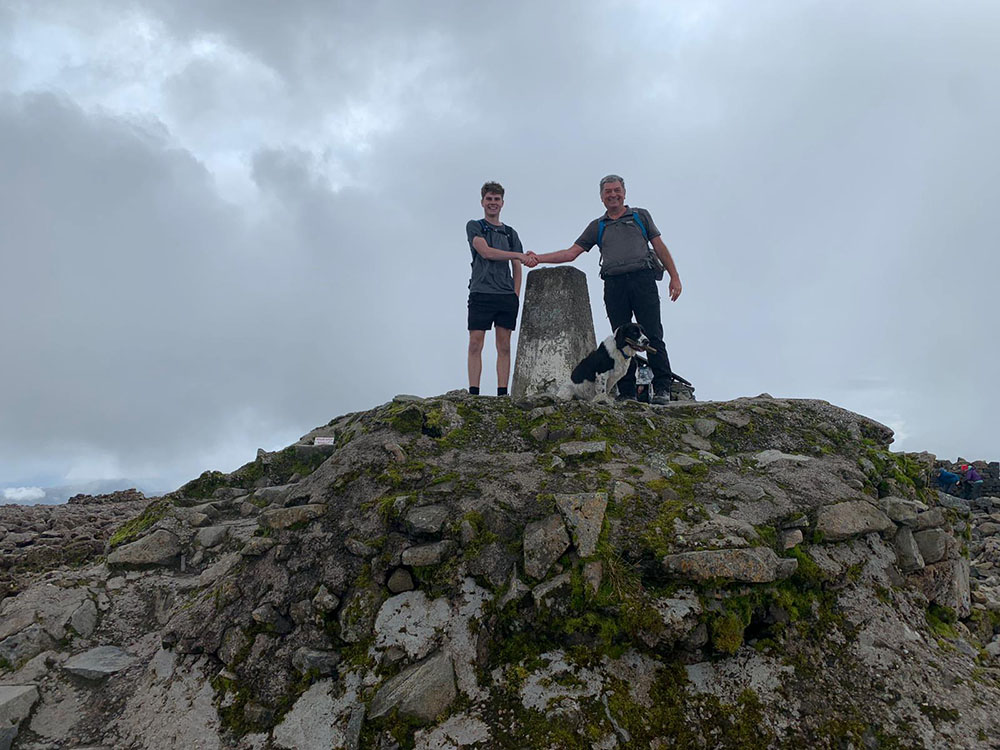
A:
(557, 330)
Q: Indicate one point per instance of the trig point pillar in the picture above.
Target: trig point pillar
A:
(557, 330)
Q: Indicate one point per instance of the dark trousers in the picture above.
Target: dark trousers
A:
(636, 294)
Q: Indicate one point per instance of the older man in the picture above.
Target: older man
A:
(630, 271)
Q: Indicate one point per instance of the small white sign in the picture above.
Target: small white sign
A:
(324, 441)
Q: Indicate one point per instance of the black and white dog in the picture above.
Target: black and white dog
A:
(601, 370)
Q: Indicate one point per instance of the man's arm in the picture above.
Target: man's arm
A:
(516, 272)
(568, 255)
(491, 253)
(668, 264)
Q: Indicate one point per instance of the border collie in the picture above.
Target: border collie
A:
(601, 370)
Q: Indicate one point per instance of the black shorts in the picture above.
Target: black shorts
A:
(487, 309)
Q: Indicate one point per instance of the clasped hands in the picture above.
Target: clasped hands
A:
(530, 259)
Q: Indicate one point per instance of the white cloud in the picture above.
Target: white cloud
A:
(225, 223)
(23, 494)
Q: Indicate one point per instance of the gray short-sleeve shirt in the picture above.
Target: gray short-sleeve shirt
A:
(623, 246)
(491, 276)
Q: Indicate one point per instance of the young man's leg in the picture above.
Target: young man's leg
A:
(506, 322)
(503, 359)
(476, 341)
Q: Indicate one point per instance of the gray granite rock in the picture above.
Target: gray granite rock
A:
(908, 556)
(428, 554)
(324, 601)
(582, 449)
(705, 427)
(268, 615)
(946, 583)
(750, 565)
(98, 663)
(936, 545)
(772, 456)
(16, 702)
(930, 519)
(791, 538)
(283, 518)
(257, 546)
(426, 519)
(162, 547)
(211, 536)
(320, 663)
(544, 542)
(400, 581)
(852, 518)
(84, 618)
(421, 691)
(660, 464)
(494, 562)
(584, 514)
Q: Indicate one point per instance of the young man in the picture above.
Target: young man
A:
(495, 286)
(624, 235)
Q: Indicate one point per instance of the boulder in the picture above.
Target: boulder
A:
(16, 702)
(908, 556)
(422, 691)
(283, 518)
(321, 663)
(852, 518)
(162, 547)
(98, 663)
(428, 554)
(544, 542)
(412, 623)
(494, 562)
(936, 545)
(947, 584)
(584, 514)
(426, 519)
(582, 449)
(750, 565)
(400, 581)
(211, 536)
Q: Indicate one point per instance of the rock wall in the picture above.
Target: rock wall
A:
(462, 572)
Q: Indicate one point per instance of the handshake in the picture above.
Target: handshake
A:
(529, 259)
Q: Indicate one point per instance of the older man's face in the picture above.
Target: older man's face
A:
(613, 196)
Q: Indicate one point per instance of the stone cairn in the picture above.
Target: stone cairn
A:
(557, 330)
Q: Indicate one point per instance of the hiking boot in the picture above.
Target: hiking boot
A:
(661, 398)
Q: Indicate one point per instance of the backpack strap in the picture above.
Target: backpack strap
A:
(486, 226)
(601, 223)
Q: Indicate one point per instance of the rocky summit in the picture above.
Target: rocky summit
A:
(464, 572)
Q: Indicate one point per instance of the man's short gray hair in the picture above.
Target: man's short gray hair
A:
(611, 178)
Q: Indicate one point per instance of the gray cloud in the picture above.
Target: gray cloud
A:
(259, 224)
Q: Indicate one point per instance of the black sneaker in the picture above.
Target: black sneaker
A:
(625, 397)
(661, 398)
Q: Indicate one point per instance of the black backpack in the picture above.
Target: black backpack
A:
(652, 259)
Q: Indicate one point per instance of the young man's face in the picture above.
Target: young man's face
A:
(613, 195)
(492, 203)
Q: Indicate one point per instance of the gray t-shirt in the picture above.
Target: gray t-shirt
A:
(623, 248)
(491, 276)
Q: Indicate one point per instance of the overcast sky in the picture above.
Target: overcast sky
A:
(224, 223)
